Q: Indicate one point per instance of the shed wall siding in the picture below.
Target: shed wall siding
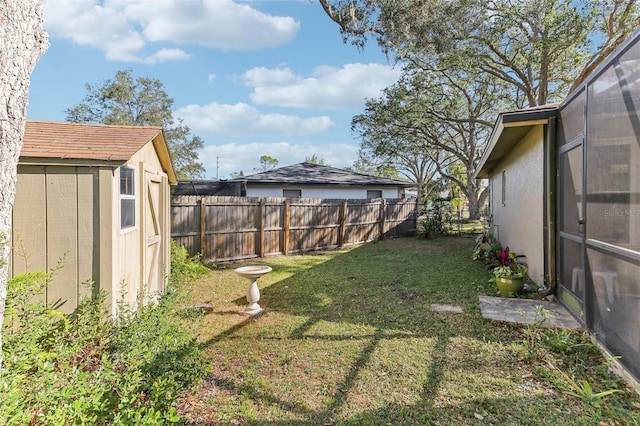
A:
(55, 223)
(518, 223)
(148, 156)
(318, 192)
(28, 239)
(104, 247)
(129, 254)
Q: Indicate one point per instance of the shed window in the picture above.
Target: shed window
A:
(292, 193)
(127, 198)
(374, 193)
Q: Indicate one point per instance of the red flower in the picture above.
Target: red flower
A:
(503, 256)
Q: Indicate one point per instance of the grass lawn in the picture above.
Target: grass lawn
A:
(349, 337)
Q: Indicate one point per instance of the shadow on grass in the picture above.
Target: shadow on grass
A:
(386, 292)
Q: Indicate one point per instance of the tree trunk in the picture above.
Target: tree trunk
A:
(22, 42)
(474, 209)
(475, 200)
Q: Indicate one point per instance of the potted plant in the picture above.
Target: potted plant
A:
(510, 273)
(486, 246)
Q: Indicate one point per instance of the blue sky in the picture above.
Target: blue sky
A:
(250, 78)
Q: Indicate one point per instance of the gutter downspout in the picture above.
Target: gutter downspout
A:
(550, 208)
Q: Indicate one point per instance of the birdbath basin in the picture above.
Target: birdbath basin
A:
(252, 273)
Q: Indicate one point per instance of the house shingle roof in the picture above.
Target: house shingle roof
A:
(315, 174)
(47, 139)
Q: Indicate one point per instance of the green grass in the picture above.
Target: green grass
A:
(349, 338)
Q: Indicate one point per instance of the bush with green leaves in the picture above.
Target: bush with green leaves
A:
(183, 267)
(88, 368)
(437, 219)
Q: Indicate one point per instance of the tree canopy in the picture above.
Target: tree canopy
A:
(426, 123)
(463, 62)
(540, 48)
(314, 159)
(266, 163)
(143, 101)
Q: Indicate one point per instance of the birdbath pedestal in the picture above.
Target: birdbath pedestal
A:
(252, 273)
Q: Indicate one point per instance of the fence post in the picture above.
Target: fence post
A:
(343, 223)
(227, 228)
(203, 226)
(261, 209)
(415, 215)
(383, 214)
(286, 225)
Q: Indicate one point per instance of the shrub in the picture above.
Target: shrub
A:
(86, 368)
(183, 267)
(437, 220)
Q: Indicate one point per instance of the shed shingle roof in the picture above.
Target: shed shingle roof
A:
(315, 174)
(47, 139)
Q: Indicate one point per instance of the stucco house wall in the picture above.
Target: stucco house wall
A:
(319, 181)
(517, 208)
(323, 192)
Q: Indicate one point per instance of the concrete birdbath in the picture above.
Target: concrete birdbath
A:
(252, 273)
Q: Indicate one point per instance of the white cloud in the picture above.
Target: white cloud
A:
(164, 55)
(221, 24)
(327, 88)
(91, 24)
(122, 29)
(244, 120)
(212, 77)
(234, 157)
(261, 76)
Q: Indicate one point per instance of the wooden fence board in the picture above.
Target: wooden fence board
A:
(233, 228)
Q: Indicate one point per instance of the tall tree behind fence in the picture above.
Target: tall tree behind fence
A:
(234, 228)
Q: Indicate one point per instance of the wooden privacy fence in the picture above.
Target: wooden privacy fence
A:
(234, 228)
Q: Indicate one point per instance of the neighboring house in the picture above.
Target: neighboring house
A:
(205, 188)
(307, 180)
(565, 191)
(94, 199)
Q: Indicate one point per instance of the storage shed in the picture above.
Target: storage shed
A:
(95, 200)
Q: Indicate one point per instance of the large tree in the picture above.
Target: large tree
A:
(267, 163)
(142, 101)
(22, 42)
(314, 159)
(530, 51)
(540, 48)
(387, 146)
(428, 122)
(372, 165)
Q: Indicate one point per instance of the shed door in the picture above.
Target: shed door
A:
(153, 231)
